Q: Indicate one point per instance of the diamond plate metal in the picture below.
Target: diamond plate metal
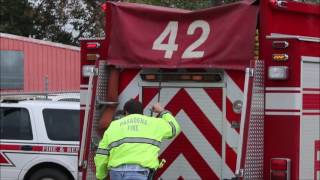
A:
(101, 91)
(253, 168)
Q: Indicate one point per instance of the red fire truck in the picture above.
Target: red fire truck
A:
(242, 79)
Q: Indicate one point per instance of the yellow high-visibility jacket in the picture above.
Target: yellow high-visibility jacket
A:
(134, 139)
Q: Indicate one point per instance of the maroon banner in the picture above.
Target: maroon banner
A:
(158, 37)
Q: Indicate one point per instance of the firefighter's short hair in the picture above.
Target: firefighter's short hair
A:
(133, 107)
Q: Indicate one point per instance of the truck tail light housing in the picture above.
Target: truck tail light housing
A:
(104, 7)
(197, 77)
(278, 72)
(279, 164)
(280, 169)
(93, 57)
(92, 45)
(280, 57)
(280, 44)
(181, 77)
(150, 77)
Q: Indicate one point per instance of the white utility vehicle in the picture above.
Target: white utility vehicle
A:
(38, 139)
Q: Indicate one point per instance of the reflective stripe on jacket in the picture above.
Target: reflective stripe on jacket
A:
(134, 139)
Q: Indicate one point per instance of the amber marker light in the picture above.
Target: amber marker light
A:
(280, 57)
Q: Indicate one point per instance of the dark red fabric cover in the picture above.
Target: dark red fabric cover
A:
(133, 28)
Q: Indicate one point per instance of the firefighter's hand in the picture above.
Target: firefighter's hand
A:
(157, 108)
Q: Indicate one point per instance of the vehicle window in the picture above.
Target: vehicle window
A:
(62, 124)
(15, 124)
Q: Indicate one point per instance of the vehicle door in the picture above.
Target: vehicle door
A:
(60, 137)
(17, 140)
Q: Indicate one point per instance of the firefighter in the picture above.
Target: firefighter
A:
(130, 146)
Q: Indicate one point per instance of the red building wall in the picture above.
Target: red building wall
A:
(61, 63)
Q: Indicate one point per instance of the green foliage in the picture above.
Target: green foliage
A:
(62, 21)
(66, 21)
(16, 17)
(49, 17)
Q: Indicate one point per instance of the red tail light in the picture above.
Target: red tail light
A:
(104, 6)
(92, 45)
(279, 164)
(280, 169)
(278, 175)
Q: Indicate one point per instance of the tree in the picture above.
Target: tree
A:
(62, 21)
(16, 17)
(67, 20)
(93, 25)
(49, 18)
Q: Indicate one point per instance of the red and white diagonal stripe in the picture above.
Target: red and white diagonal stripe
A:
(198, 152)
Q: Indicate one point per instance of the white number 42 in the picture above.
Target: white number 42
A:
(171, 30)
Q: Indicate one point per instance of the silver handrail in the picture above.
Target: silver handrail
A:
(85, 121)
